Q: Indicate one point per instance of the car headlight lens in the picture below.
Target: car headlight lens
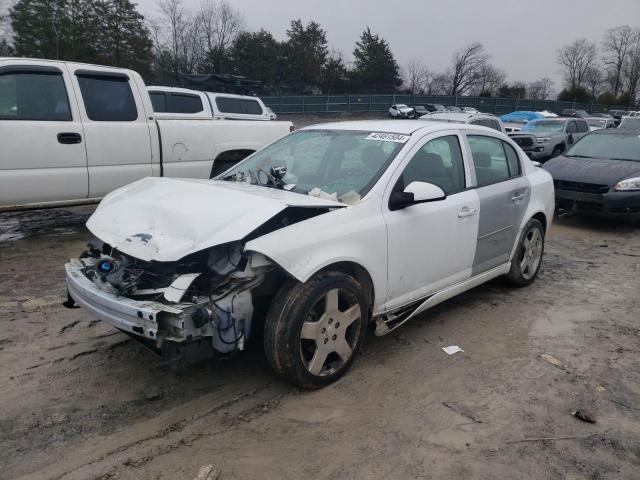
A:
(628, 185)
(544, 139)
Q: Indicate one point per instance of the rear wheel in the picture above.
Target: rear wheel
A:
(527, 259)
(313, 330)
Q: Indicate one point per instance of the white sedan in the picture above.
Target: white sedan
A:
(312, 240)
(400, 110)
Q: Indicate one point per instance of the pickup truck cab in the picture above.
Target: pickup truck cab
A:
(71, 133)
(220, 106)
(546, 138)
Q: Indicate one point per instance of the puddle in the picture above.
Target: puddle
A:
(57, 221)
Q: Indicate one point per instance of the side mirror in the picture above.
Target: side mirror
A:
(416, 192)
(570, 138)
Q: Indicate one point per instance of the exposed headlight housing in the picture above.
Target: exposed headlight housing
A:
(544, 139)
(628, 185)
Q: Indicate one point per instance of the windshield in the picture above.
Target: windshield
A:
(597, 123)
(544, 126)
(615, 146)
(338, 164)
(630, 122)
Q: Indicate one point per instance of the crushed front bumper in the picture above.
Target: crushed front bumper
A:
(142, 318)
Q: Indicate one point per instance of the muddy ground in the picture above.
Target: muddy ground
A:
(80, 400)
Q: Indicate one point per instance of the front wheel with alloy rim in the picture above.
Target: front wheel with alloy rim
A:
(527, 259)
(314, 330)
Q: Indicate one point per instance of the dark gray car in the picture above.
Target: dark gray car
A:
(600, 174)
(547, 138)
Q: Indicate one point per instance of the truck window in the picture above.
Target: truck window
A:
(108, 98)
(238, 105)
(34, 96)
(583, 127)
(159, 102)
(185, 103)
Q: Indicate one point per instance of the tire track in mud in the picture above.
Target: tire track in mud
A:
(209, 423)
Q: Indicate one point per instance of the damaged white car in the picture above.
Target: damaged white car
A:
(312, 240)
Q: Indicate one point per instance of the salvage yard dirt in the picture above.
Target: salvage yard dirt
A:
(80, 400)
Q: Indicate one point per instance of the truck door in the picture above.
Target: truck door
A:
(115, 125)
(42, 144)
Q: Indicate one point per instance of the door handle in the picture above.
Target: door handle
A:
(518, 196)
(466, 212)
(69, 138)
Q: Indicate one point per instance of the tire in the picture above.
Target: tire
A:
(557, 150)
(303, 331)
(523, 272)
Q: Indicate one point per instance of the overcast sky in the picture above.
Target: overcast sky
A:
(521, 36)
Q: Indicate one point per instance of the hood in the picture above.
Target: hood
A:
(166, 219)
(405, 109)
(586, 170)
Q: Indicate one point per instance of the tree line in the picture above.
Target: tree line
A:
(213, 38)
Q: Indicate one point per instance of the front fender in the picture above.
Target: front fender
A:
(354, 234)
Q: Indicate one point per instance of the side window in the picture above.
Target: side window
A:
(34, 96)
(583, 127)
(228, 105)
(496, 125)
(107, 98)
(439, 161)
(572, 128)
(489, 159)
(159, 102)
(251, 106)
(512, 160)
(184, 103)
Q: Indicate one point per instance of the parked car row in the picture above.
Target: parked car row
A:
(401, 110)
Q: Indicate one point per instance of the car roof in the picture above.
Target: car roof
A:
(158, 88)
(393, 126)
(457, 116)
(231, 95)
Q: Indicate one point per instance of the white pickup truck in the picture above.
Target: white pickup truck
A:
(70, 133)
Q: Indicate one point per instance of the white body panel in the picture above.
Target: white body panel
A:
(36, 170)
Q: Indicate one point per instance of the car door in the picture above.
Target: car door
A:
(431, 245)
(503, 194)
(117, 135)
(41, 138)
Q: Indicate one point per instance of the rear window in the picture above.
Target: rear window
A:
(613, 146)
(107, 98)
(238, 105)
(34, 96)
(185, 103)
(583, 127)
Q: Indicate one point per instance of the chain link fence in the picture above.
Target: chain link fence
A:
(381, 103)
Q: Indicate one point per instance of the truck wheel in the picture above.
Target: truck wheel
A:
(314, 329)
(527, 260)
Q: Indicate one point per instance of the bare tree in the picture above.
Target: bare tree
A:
(616, 46)
(170, 29)
(439, 84)
(219, 23)
(594, 81)
(416, 77)
(540, 89)
(631, 69)
(488, 80)
(467, 63)
(575, 59)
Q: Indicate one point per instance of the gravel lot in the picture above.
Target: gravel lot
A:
(80, 400)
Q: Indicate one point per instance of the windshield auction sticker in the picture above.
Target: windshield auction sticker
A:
(388, 137)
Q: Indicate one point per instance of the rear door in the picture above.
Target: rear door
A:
(504, 195)
(42, 147)
(118, 139)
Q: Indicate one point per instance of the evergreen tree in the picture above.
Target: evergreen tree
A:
(257, 55)
(109, 32)
(335, 76)
(375, 68)
(305, 55)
